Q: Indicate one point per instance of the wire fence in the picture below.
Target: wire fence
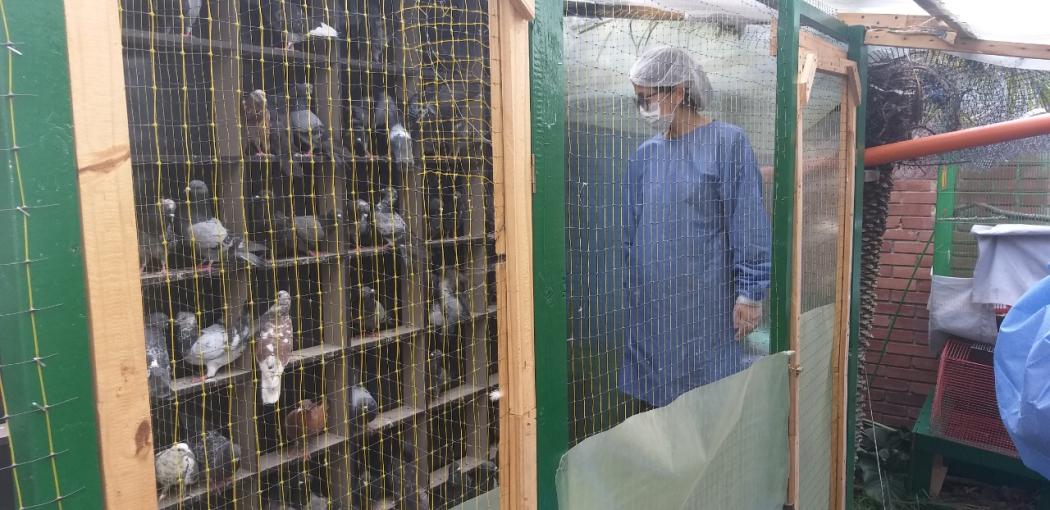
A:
(313, 190)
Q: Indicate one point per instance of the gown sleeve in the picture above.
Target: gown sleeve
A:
(631, 198)
(750, 239)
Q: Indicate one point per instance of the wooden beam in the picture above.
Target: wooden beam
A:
(584, 9)
(512, 177)
(806, 75)
(526, 8)
(898, 21)
(100, 126)
(887, 37)
(937, 9)
(823, 49)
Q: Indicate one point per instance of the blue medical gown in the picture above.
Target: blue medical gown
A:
(696, 236)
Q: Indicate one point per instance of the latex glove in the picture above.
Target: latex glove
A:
(746, 317)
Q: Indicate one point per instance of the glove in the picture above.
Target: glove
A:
(746, 317)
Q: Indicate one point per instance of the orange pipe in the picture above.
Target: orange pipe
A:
(962, 139)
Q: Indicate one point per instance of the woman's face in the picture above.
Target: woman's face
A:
(668, 98)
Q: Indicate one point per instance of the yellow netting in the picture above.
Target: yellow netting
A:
(313, 180)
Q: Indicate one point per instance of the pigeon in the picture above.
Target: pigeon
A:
(273, 346)
(308, 132)
(158, 361)
(388, 120)
(301, 21)
(435, 217)
(280, 140)
(191, 10)
(361, 224)
(438, 379)
(305, 421)
(175, 466)
(460, 223)
(463, 483)
(313, 231)
(367, 311)
(389, 224)
(284, 239)
(156, 229)
(377, 41)
(448, 307)
(214, 347)
(217, 458)
(256, 123)
(358, 131)
(361, 406)
(206, 234)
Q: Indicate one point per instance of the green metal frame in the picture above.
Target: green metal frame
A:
(942, 230)
(45, 361)
(551, 306)
(857, 52)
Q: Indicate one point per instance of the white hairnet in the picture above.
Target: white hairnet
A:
(665, 66)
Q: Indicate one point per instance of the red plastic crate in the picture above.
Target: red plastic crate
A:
(964, 404)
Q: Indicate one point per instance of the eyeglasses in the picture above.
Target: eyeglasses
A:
(644, 100)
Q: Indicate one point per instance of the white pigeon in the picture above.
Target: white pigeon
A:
(175, 466)
(273, 346)
(213, 348)
(390, 225)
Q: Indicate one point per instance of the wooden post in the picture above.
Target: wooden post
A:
(512, 177)
(107, 211)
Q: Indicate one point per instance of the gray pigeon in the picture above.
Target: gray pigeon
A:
(388, 120)
(175, 466)
(191, 11)
(273, 346)
(367, 311)
(156, 229)
(312, 231)
(308, 132)
(448, 307)
(437, 376)
(389, 224)
(361, 405)
(217, 457)
(361, 224)
(158, 361)
(207, 234)
(214, 347)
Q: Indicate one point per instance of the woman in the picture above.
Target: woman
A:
(696, 238)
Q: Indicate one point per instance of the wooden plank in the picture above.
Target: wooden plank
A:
(937, 9)
(795, 317)
(510, 53)
(823, 49)
(898, 21)
(526, 9)
(805, 77)
(107, 207)
(888, 37)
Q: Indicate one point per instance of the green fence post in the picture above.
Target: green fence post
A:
(45, 362)
(942, 230)
(858, 52)
(551, 307)
(786, 147)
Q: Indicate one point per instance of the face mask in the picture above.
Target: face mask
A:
(651, 114)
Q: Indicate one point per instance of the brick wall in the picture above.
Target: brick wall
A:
(907, 371)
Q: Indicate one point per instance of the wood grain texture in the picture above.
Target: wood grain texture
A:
(888, 37)
(509, 50)
(110, 251)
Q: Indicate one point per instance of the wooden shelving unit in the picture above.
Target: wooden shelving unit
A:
(184, 104)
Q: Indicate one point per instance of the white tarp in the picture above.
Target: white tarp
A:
(1010, 259)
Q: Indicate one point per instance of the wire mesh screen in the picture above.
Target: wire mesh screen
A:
(313, 192)
(823, 185)
(668, 234)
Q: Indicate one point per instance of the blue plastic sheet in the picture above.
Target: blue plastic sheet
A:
(1022, 376)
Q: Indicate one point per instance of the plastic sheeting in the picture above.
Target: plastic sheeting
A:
(720, 446)
(954, 313)
(1022, 376)
(1011, 258)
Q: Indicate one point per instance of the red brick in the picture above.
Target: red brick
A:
(912, 400)
(896, 360)
(917, 210)
(887, 246)
(894, 421)
(893, 222)
(924, 197)
(914, 185)
(919, 388)
(910, 272)
(892, 283)
(911, 324)
(898, 259)
(914, 223)
(885, 270)
(912, 247)
(908, 374)
(888, 384)
(901, 235)
(925, 364)
(909, 349)
(876, 395)
(889, 409)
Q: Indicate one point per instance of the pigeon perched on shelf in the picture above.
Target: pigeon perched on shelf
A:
(158, 360)
(361, 406)
(256, 124)
(389, 224)
(466, 483)
(307, 129)
(361, 224)
(438, 379)
(273, 346)
(312, 231)
(436, 216)
(156, 229)
(307, 420)
(448, 307)
(367, 311)
(389, 121)
(182, 16)
(358, 131)
(206, 234)
(214, 347)
(217, 458)
(303, 21)
(175, 466)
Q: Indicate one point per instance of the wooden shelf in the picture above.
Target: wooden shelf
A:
(456, 240)
(228, 374)
(293, 453)
(176, 275)
(197, 490)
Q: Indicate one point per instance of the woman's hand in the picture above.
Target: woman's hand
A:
(746, 317)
